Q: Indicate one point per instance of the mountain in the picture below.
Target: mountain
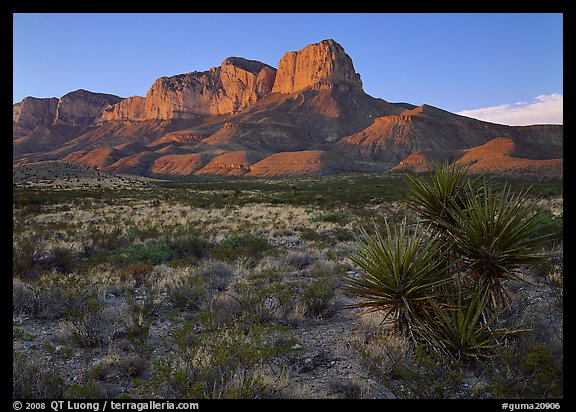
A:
(309, 116)
(237, 83)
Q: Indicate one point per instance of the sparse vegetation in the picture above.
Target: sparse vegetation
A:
(171, 289)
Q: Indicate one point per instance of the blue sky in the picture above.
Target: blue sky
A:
(476, 64)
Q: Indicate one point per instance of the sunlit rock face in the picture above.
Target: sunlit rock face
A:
(32, 112)
(130, 109)
(320, 65)
(77, 108)
(235, 85)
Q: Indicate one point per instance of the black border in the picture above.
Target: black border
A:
(549, 6)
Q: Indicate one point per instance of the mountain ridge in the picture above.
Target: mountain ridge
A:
(308, 116)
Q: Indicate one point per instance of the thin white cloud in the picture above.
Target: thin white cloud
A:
(543, 109)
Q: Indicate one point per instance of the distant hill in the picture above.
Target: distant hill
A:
(67, 175)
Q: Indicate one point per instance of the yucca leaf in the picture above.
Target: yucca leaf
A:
(398, 274)
(460, 330)
(496, 233)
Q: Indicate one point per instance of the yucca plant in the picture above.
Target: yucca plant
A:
(399, 275)
(432, 198)
(459, 327)
(494, 233)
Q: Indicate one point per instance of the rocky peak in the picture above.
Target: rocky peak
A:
(252, 66)
(319, 65)
(77, 108)
(32, 112)
(82, 107)
(234, 85)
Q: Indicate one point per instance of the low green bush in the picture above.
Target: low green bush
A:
(26, 254)
(248, 247)
(316, 296)
(31, 380)
(225, 362)
(188, 292)
(332, 217)
(526, 369)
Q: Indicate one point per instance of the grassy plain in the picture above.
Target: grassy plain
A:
(233, 289)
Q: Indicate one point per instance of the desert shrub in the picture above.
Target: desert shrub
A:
(249, 247)
(526, 369)
(62, 259)
(300, 260)
(31, 380)
(326, 269)
(88, 389)
(53, 294)
(342, 234)
(188, 244)
(152, 252)
(316, 296)
(136, 272)
(113, 366)
(26, 254)
(97, 241)
(132, 366)
(346, 388)
(89, 324)
(188, 292)
(428, 376)
(407, 369)
(332, 217)
(23, 298)
(142, 233)
(141, 309)
(157, 251)
(265, 298)
(216, 274)
(551, 225)
(381, 351)
(310, 234)
(222, 363)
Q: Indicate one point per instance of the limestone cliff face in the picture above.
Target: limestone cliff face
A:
(235, 85)
(78, 108)
(130, 109)
(32, 112)
(81, 107)
(320, 65)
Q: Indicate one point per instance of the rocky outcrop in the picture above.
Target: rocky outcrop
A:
(82, 108)
(319, 65)
(32, 112)
(78, 108)
(130, 109)
(235, 85)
